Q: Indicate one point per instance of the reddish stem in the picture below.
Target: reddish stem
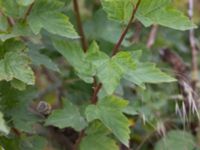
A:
(80, 26)
(95, 93)
(81, 135)
(116, 48)
(28, 12)
(11, 21)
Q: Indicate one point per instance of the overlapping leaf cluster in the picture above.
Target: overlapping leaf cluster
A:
(24, 25)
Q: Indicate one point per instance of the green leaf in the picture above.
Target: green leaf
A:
(109, 112)
(101, 28)
(146, 7)
(147, 73)
(125, 61)
(45, 14)
(68, 116)
(110, 75)
(10, 143)
(15, 65)
(4, 23)
(41, 59)
(25, 2)
(23, 119)
(176, 140)
(130, 110)
(72, 51)
(97, 127)
(13, 45)
(168, 17)
(18, 84)
(97, 138)
(20, 29)
(16, 106)
(3, 127)
(33, 143)
(149, 12)
(162, 13)
(111, 72)
(108, 70)
(98, 142)
(11, 8)
(95, 56)
(119, 10)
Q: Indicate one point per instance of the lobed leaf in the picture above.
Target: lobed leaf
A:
(109, 70)
(147, 73)
(41, 59)
(15, 65)
(118, 9)
(72, 51)
(109, 111)
(68, 116)
(176, 140)
(149, 12)
(45, 14)
(168, 17)
(98, 142)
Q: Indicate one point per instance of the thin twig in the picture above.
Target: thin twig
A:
(81, 135)
(95, 93)
(152, 36)
(80, 26)
(116, 48)
(136, 36)
(28, 12)
(11, 21)
(16, 132)
(193, 48)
